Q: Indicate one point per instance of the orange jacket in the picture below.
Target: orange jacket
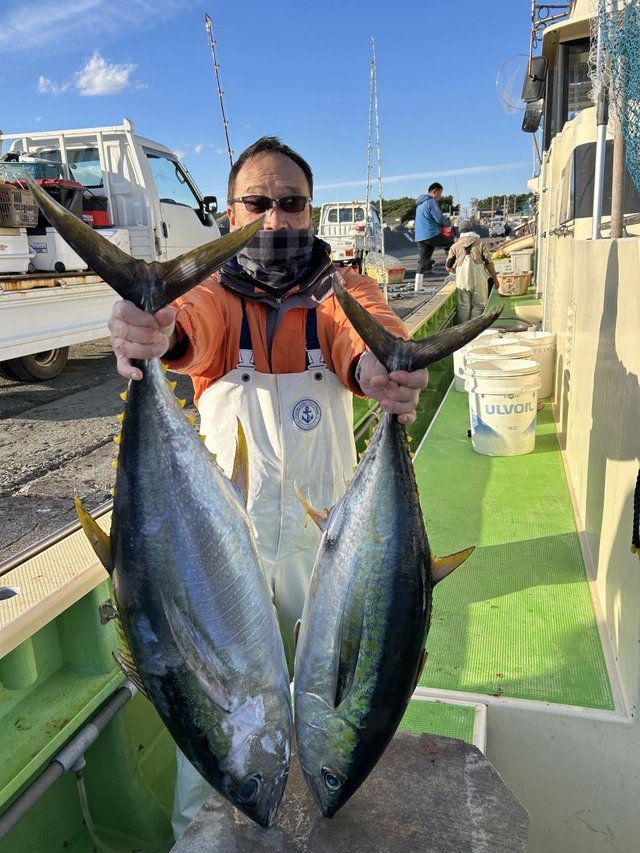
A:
(211, 317)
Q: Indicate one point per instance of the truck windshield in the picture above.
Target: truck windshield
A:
(347, 214)
(171, 181)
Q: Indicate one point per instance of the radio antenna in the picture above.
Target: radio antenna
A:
(212, 44)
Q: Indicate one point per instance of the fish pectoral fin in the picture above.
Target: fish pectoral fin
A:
(350, 642)
(318, 516)
(443, 566)
(100, 541)
(240, 473)
(198, 656)
(129, 668)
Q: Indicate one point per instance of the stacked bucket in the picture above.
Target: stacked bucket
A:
(505, 375)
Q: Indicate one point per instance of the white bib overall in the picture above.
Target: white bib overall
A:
(299, 429)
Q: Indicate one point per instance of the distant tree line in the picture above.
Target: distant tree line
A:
(395, 211)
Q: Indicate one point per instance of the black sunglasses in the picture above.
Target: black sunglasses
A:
(262, 203)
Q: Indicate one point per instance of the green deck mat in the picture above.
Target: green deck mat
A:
(516, 619)
(439, 718)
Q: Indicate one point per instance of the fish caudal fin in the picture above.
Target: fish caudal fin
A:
(398, 354)
(148, 285)
(443, 566)
(100, 541)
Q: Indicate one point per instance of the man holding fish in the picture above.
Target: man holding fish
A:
(266, 343)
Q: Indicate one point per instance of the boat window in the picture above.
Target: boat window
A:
(171, 181)
(568, 87)
(578, 84)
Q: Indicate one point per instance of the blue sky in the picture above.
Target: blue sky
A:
(293, 69)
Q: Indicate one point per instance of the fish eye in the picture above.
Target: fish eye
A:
(248, 791)
(332, 782)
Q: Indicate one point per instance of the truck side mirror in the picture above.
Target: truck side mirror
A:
(210, 204)
(534, 80)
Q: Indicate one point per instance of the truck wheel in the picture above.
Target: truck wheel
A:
(41, 365)
(6, 371)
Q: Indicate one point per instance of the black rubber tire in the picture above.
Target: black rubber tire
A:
(41, 365)
(6, 371)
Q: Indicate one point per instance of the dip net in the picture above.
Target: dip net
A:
(614, 60)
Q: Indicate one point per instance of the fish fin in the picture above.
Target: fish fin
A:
(350, 641)
(148, 285)
(128, 667)
(443, 566)
(318, 516)
(100, 541)
(398, 354)
(423, 660)
(198, 656)
(240, 473)
(296, 634)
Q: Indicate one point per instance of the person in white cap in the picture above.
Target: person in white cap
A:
(471, 261)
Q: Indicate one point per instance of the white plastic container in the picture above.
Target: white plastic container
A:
(118, 236)
(52, 253)
(14, 250)
(522, 261)
(543, 345)
(491, 352)
(503, 401)
(489, 335)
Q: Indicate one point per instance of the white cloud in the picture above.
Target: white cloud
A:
(58, 27)
(48, 87)
(436, 173)
(96, 77)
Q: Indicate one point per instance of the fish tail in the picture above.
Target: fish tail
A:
(148, 285)
(398, 354)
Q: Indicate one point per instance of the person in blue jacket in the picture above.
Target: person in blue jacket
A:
(429, 224)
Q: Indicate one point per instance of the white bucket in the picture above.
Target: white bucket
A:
(493, 336)
(543, 345)
(503, 399)
(491, 352)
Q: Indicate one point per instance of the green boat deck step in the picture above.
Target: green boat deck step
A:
(516, 619)
(447, 717)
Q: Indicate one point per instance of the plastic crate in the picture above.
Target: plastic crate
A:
(386, 276)
(18, 207)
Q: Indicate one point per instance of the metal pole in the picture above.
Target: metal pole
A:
(602, 119)
(212, 44)
(617, 182)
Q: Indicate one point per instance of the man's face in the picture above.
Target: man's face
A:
(437, 194)
(274, 175)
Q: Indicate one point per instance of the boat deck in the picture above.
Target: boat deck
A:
(517, 618)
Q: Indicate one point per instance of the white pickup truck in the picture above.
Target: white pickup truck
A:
(351, 228)
(149, 199)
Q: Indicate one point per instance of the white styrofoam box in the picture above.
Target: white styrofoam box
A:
(522, 261)
(54, 253)
(118, 236)
(14, 250)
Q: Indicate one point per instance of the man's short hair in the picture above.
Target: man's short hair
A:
(265, 145)
(435, 186)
